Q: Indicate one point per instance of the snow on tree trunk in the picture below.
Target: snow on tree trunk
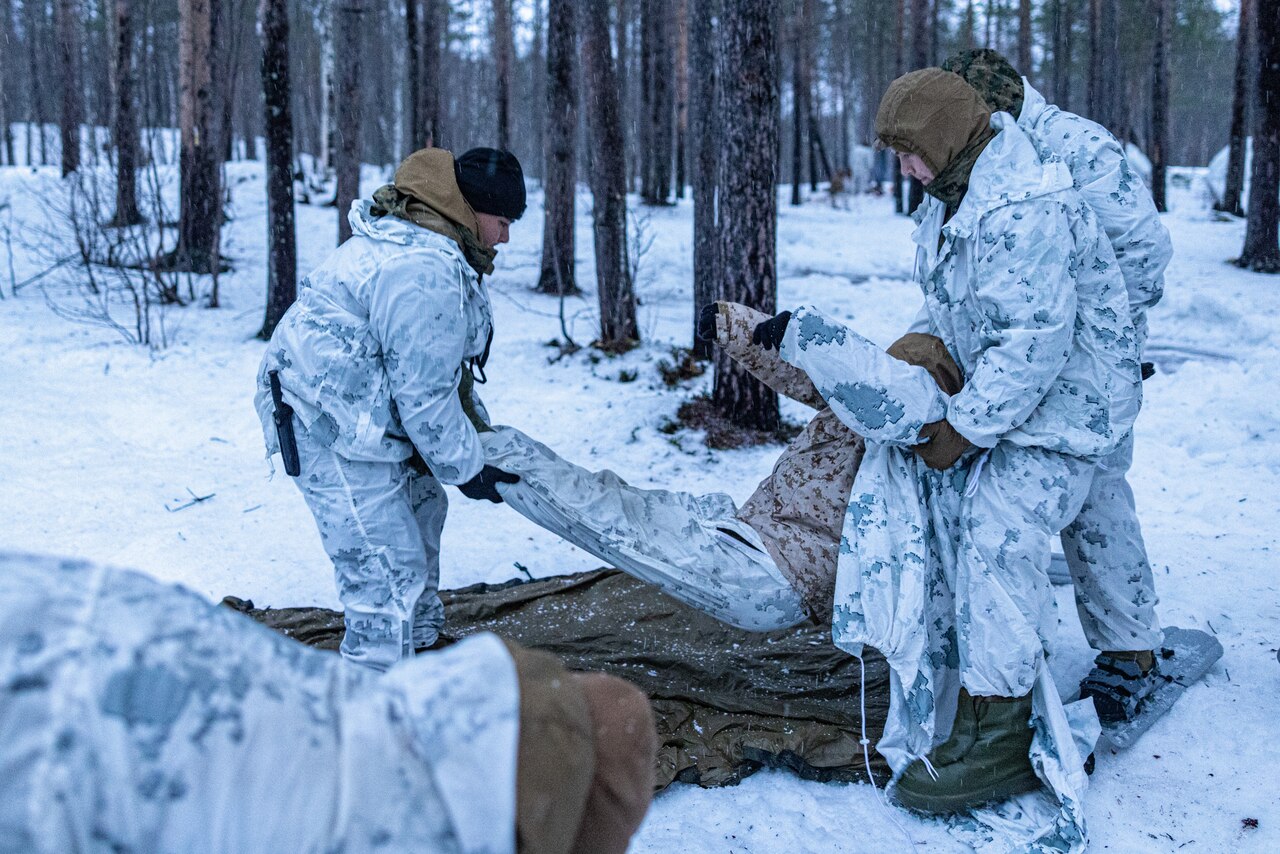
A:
(125, 128)
(619, 330)
(273, 19)
(557, 275)
(1262, 236)
(347, 55)
(747, 207)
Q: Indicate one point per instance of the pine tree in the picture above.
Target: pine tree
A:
(561, 169)
(71, 61)
(704, 128)
(347, 54)
(1232, 197)
(748, 204)
(126, 120)
(273, 17)
(1262, 235)
(619, 330)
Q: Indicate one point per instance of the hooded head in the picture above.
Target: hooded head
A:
(936, 116)
(986, 70)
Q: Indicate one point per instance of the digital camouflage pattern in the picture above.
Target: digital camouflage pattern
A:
(946, 572)
(1104, 547)
(371, 357)
(137, 716)
(987, 71)
(691, 547)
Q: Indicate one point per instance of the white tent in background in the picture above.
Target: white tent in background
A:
(1215, 177)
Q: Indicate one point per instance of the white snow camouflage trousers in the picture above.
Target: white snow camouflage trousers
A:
(946, 572)
(692, 547)
(380, 523)
(137, 716)
(1115, 591)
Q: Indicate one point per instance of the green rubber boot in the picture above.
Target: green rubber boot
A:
(985, 759)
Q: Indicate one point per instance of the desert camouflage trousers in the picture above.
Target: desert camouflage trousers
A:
(380, 523)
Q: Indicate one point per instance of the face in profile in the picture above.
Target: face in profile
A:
(494, 230)
(913, 166)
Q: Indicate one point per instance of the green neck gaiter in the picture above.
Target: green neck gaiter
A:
(388, 200)
(950, 185)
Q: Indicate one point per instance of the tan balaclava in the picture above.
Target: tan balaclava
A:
(426, 193)
(940, 118)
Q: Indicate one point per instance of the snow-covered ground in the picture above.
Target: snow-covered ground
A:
(97, 437)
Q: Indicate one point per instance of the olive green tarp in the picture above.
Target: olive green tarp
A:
(727, 702)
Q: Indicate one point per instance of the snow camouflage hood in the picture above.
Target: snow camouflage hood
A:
(935, 115)
(987, 71)
(426, 193)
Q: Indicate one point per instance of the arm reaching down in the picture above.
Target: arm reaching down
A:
(417, 312)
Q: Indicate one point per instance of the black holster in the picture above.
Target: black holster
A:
(283, 416)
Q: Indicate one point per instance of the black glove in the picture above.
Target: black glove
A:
(1148, 370)
(485, 484)
(769, 334)
(707, 322)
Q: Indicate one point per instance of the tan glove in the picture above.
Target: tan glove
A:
(928, 352)
(944, 447)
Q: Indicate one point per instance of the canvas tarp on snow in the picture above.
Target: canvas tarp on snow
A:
(727, 701)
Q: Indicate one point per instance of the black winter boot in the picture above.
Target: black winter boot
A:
(1119, 682)
(985, 759)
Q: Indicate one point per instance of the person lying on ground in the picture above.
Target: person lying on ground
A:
(1115, 590)
(136, 716)
(374, 365)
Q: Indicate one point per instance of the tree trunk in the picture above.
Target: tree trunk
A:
(347, 152)
(899, 63)
(682, 92)
(663, 103)
(1160, 103)
(1024, 38)
(414, 120)
(619, 330)
(1068, 52)
(704, 127)
(503, 58)
(1262, 235)
(70, 61)
(273, 18)
(1093, 93)
(746, 176)
(200, 217)
(645, 125)
(561, 168)
(7, 72)
(1232, 197)
(799, 107)
(126, 121)
(920, 59)
(429, 112)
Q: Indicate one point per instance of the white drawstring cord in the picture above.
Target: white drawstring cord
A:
(866, 754)
(972, 485)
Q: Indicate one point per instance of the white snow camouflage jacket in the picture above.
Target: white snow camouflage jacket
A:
(1102, 176)
(1027, 295)
(370, 356)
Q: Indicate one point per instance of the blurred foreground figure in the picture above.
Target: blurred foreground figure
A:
(135, 716)
(1115, 592)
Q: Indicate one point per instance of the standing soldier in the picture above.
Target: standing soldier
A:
(373, 368)
(1115, 593)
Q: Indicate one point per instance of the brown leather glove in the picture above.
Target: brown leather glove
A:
(928, 352)
(944, 447)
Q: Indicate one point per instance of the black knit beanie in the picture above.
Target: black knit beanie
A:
(491, 181)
